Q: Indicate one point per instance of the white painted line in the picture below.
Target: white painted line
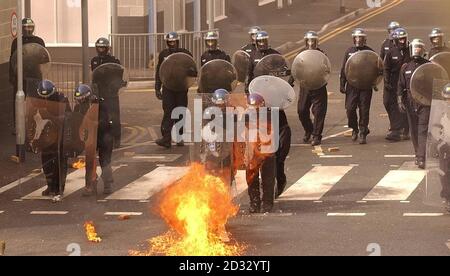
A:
(399, 156)
(336, 135)
(152, 133)
(1, 212)
(148, 185)
(448, 244)
(396, 186)
(336, 156)
(346, 214)
(316, 183)
(241, 184)
(144, 201)
(74, 182)
(354, 165)
(57, 213)
(423, 214)
(361, 201)
(18, 182)
(134, 214)
(18, 200)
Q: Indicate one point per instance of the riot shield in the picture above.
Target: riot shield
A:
(422, 82)
(178, 72)
(217, 74)
(44, 130)
(312, 69)
(108, 79)
(272, 65)
(438, 147)
(241, 61)
(275, 91)
(364, 70)
(36, 61)
(443, 59)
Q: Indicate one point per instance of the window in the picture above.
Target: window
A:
(58, 22)
(219, 10)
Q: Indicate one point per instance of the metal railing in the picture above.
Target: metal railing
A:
(138, 53)
(66, 77)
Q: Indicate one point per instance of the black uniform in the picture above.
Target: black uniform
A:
(393, 62)
(213, 55)
(114, 102)
(53, 158)
(285, 136)
(12, 75)
(318, 101)
(437, 50)
(249, 48)
(170, 99)
(387, 45)
(356, 98)
(418, 114)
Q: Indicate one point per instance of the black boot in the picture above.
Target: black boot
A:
(164, 143)
(363, 139)
(255, 207)
(355, 134)
(317, 141)
(307, 137)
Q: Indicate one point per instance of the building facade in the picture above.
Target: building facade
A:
(7, 8)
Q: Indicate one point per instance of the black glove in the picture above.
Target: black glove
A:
(401, 105)
(159, 94)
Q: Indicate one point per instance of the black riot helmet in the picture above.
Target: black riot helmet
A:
(359, 37)
(311, 40)
(212, 40)
(28, 27)
(417, 48)
(46, 89)
(172, 40)
(253, 32)
(401, 38)
(394, 25)
(437, 37)
(82, 93)
(102, 46)
(262, 41)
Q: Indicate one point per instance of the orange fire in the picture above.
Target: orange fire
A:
(91, 233)
(197, 209)
(79, 165)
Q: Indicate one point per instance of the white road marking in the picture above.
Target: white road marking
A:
(448, 244)
(1, 212)
(316, 183)
(423, 214)
(18, 182)
(74, 182)
(148, 185)
(152, 133)
(135, 214)
(336, 156)
(336, 135)
(361, 201)
(51, 213)
(396, 186)
(346, 214)
(18, 200)
(399, 156)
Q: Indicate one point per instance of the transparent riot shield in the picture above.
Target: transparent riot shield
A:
(422, 82)
(275, 91)
(272, 65)
(178, 72)
(217, 74)
(312, 69)
(438, 146)
(241, 61)
(364, 70)
(443, 59)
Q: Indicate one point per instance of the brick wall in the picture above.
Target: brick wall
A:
(6, 8)
(131, 7)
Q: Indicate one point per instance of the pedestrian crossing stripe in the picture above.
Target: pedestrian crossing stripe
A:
(396, 186)
(316, 183)
(74, 182)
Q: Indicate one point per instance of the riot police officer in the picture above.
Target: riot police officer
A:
(437, 42)
(170, 99)
(443, 151)
(251, 47)
(54, 161)
(84, 99)
(315, 101)
(103, 48)
(213, 52)
(389, 42)
(418, 114)
(28, 37)
(261, 165)
(395, 58)
(357, 98)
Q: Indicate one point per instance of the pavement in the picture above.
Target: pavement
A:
(360, 200)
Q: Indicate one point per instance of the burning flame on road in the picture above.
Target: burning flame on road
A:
(197, 209)
(91, 233)
(79, 164)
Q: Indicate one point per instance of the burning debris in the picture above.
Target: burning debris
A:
(197, 209)
(91, 233)
(80, 164)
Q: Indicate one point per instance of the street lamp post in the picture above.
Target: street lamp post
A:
(20, 95)
(85, 39)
